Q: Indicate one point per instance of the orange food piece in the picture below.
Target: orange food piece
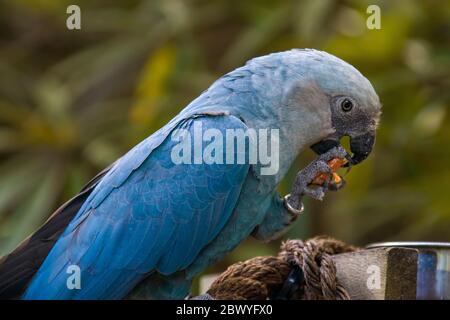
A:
(334, 165)
(336, 178)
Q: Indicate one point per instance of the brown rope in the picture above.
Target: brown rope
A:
(261, 277)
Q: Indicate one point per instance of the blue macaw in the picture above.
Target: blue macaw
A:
(145, 226)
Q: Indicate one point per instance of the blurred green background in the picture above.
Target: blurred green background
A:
(71, 102)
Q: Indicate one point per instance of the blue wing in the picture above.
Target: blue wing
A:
(147, 214)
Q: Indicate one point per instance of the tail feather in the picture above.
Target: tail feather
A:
(18, 267)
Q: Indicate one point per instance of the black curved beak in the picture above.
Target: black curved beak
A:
(360, 146)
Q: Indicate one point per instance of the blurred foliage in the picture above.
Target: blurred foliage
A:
(71, 102)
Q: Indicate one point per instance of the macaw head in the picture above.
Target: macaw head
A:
(314, 98)
(354, 106)
(335, 99)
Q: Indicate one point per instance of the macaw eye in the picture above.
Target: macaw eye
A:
(346, 105)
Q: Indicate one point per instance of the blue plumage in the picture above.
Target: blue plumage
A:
(155, 216)
(150, 225)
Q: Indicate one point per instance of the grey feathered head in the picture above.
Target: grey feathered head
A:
(320, 81)
(313, 97)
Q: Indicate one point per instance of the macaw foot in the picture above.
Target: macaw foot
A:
(302, 184)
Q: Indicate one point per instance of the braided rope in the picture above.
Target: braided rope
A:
(261, 277)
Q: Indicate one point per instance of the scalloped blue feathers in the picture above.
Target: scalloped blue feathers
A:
(148, 214)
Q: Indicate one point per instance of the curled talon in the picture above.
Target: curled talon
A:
(315, 193)
(337, 152)
(333, 164)
(318, 177)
